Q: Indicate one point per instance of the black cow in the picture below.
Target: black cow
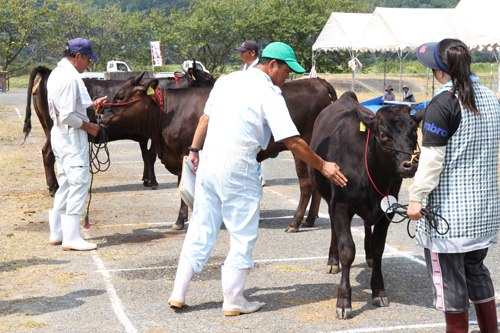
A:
(337, 137)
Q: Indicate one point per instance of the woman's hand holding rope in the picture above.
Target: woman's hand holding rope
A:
(430, 213)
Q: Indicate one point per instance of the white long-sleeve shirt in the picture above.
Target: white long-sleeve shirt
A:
(67, 96)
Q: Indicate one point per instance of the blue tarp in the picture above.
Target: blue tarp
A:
(375, 104)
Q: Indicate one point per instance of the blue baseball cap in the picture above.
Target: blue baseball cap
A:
(282, 51)
(428, 56)
(82, 45)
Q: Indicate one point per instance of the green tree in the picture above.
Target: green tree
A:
(210, 30)
(299, 23)
(207, 31)
(115, 35)
(24, 26)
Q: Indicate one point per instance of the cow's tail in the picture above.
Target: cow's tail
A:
(331, 90)
(27, 119)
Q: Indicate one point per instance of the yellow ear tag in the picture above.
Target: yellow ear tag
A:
(150, 91)
(420, 125)
(362, 127)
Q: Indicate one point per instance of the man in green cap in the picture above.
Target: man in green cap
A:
(243, 110)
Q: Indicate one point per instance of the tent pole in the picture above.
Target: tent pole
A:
(400, 55)
(432, 85)
(491, 72)
(498, 77)
(385, 70)
(352, 83)
(427, 87)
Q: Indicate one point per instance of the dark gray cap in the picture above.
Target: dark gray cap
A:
(248, 45)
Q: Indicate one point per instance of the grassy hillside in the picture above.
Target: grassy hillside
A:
(416, 3)
(166, 5)
(145, 5)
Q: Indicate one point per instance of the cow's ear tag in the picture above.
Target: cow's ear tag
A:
(387, 202)
(420, 124)
(362, 127)
(150, 91)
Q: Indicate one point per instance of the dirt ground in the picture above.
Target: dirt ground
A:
(124, 285)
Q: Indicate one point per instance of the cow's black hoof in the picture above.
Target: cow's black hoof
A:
(344, 313)
(307, 224)
(146, 183)
(52, 190)
(291, 230)
(332, 269)
(177, 227)
(380, 301)
(369, 262)
(155, 187)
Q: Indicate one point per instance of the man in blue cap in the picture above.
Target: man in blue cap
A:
(243, 110)
(68, 100)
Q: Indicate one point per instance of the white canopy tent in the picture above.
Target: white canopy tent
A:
(388, 31)
(475, 22)
(338, 34)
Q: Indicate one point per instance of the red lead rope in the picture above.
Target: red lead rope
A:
(116, 104)
(368, 172)
(160, 102)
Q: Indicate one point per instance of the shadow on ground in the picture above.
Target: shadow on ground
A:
(41, 305)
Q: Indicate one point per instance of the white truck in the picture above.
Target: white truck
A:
(113, 66)
(120, 66)
(185, 65)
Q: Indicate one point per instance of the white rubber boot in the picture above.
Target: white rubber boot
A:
(71, 234)
(56, 235)
(233, 283)
(182, 278)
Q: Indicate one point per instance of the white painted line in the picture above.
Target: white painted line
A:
(280, 195)
(410, 257)
(220, 263)
(138, 224)
(392, 328)
(276, 217)
(115, 301)
(137, 194)
(19, 114)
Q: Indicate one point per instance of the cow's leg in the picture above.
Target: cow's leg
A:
(368, 254)
(149, 158)
(306, 190)
(49, 161)
(377, 245)
(333, 266)
(347, 251)
(313, 209)
(183, 214)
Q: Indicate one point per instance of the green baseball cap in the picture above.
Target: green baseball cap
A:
(282, 51)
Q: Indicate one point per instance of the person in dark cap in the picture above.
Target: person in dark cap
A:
(243, 111)
(458, 172)
(249, 54)
(388, 95)
(68, 100)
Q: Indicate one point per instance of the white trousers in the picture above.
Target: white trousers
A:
(227, 189)
(72, 157)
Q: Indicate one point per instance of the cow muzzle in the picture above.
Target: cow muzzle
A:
(408, 168)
